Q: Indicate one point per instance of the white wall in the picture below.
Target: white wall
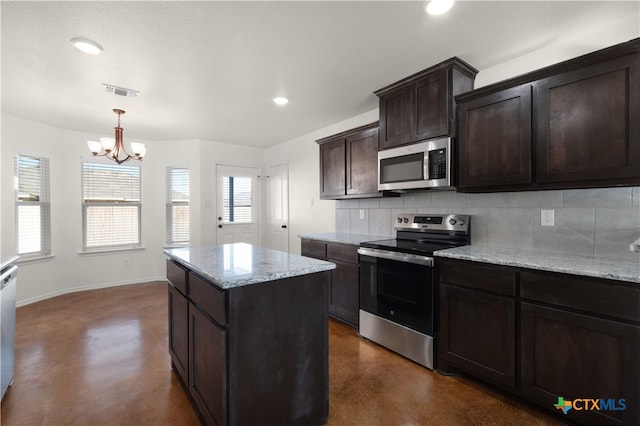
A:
(558, 50)
(307, 213)
(70, 270)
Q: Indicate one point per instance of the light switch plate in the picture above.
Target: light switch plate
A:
(547, 218)
(362, 214)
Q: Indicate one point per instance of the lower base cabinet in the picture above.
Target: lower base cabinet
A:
(178, 340)
(255, 354)
(549, 338)
(344, 292)
(207, 367)
(480, 334)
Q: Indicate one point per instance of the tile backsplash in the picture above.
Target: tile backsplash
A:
(603, 221)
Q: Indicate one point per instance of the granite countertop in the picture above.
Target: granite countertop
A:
(590, 266)
(6, 261)
(344, 238)
(240, 264)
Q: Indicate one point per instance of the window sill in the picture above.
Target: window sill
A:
(109, 251)
(175, 245)
(27, 260)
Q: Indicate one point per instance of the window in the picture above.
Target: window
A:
(110, 206)
(237, 199)
(33, 208)
(177, 205)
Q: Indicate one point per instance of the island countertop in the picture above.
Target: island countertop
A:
(240, 264)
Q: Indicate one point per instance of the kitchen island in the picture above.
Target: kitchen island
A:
(248, 333)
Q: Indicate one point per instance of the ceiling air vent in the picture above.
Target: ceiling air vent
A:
(120, 91)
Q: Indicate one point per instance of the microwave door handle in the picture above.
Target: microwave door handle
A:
(425, 165)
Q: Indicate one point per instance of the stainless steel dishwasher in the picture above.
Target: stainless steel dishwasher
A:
(8, 282)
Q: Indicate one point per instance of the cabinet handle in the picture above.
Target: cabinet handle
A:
(284, 226)
(219, 226)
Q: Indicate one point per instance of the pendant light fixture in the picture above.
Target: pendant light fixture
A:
(114, 148)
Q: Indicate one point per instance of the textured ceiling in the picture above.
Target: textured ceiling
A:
(208, 70)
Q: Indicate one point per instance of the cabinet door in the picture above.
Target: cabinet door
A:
(588, 127)
(344, 302)
(477, 334)
(495, 140)
(313, 248)
(430, 107)
(362, 163)
(395, 118)
(575, 356)
(178, 331)
(332, 169)
(207, 366)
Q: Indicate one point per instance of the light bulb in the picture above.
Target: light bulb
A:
(138, 149)
(95, 147)
(108, 143)
(438, 7)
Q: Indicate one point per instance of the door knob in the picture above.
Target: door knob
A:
(219, 226)
(283, 226)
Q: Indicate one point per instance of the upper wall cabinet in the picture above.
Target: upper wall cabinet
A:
(422, 106)
(349, 164)
(575, 124)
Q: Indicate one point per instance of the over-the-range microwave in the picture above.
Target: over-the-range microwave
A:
(422, 165)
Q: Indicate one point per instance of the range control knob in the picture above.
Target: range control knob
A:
(406, 220)
(461, 222)
(452, 221)
(399, 220)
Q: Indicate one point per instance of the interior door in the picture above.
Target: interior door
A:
(278, 207)
(237, 204)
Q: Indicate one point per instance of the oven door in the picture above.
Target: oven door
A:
(398, 287)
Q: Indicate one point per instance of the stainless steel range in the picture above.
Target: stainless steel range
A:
(397, 283)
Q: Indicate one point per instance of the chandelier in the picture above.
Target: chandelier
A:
(114, 148)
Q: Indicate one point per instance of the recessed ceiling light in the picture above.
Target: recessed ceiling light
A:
(438, 7)
(86, 46)
(280, 101)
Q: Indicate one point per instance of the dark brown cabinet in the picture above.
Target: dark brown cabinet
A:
(422, 106)
(544, 336)
(477, 318)
(178, 308)
(178, 318)
(207, 369)
(344, 294)
(349, 164)
(250, 350)
(495, 139)
(580, 338)
(589, 123)
(575, 124)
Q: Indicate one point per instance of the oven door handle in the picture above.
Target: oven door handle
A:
(399, 257)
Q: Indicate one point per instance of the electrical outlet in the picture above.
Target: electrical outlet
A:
(547, 218)
(362, 214)
(127, 261)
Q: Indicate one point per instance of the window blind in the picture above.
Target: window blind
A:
(33, 208)
(111, 208)
(177, 205)
(237, 199)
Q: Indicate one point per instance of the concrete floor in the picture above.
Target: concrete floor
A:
(101, 358)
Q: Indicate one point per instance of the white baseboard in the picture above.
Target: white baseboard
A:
(85, 288)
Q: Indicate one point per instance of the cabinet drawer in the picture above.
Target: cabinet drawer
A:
(605, 297)
(312, 248)
(345, 252)
(209, 298)
(177, 276)
(482, 276)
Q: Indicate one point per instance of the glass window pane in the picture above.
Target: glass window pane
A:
(111, 205)
(237, 199)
